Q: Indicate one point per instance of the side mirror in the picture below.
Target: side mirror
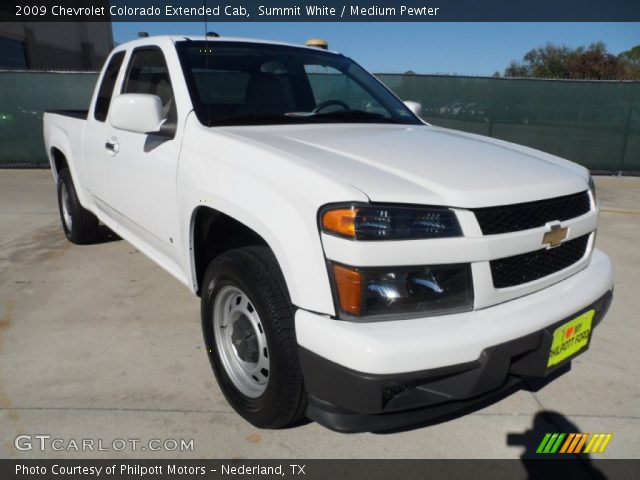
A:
(415, 107)
(136, 112)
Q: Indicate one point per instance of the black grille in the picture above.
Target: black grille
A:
(527, 267)
(523, 216)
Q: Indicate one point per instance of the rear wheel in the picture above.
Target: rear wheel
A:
(79, 224)
(247, 321)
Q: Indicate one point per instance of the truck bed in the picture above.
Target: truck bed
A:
(64, 130)
(81, 114)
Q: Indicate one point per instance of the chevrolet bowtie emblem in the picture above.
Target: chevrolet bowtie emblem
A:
(555, 236)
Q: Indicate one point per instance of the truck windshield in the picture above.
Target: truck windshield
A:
(241, 83)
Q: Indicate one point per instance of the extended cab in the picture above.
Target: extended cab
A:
(355, 264)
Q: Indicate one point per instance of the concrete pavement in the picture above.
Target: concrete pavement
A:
(97, 342)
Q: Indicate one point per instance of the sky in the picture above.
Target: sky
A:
(453, 48)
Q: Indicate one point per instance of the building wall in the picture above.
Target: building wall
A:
(55, 45)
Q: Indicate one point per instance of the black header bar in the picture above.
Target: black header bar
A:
(328, 469)
(320, 11)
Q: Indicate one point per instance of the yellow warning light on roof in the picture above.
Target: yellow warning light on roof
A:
(317, 43)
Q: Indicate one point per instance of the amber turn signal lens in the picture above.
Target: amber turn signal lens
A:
(349, 286)
(341, 221)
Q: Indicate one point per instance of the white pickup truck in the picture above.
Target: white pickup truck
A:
(355, 264)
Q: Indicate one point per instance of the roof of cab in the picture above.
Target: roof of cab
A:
(179, 38)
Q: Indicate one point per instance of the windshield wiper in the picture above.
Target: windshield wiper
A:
(253, 119)
(355, 116)
(342, 116)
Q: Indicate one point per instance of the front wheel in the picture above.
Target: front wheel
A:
(248, 326)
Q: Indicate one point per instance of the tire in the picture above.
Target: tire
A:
(79, 224)
(248, 285)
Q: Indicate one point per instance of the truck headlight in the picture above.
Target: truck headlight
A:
(402, 291)
(387, 222)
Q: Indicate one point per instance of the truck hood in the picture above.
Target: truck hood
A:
(423, 164)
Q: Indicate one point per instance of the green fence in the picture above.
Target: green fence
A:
(24, 96)
(596, 124)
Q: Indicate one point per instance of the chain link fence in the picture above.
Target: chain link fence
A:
(594, 123)
(24, 96)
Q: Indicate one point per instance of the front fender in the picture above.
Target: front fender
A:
(276, 196)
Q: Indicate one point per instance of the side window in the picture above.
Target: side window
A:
(106, 87)
(148, 73)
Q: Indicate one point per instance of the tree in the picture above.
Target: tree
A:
(632, 55)
(588, 63)
(549, 61)
(516, 69)
(631, 61)
(595, 63)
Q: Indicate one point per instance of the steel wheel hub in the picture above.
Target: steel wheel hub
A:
(66, 207)
(241, 342)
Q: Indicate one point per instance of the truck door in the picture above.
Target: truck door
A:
(95, 133)
(142, 168)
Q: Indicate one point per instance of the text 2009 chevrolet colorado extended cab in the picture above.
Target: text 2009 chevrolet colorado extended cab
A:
(354, 264)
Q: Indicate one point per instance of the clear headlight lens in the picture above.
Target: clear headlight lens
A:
(372, 222)
(402, 291)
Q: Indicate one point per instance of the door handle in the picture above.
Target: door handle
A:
(112, 146)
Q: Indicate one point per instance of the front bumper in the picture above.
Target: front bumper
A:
(401, 346)
(346, 400)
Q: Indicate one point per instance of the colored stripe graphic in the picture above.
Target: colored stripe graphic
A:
(543, 443)
(574, 442)
(567, 443)
(550, 443)
(555, 447)
(606, 441)
(595, 440)
(581, 443)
